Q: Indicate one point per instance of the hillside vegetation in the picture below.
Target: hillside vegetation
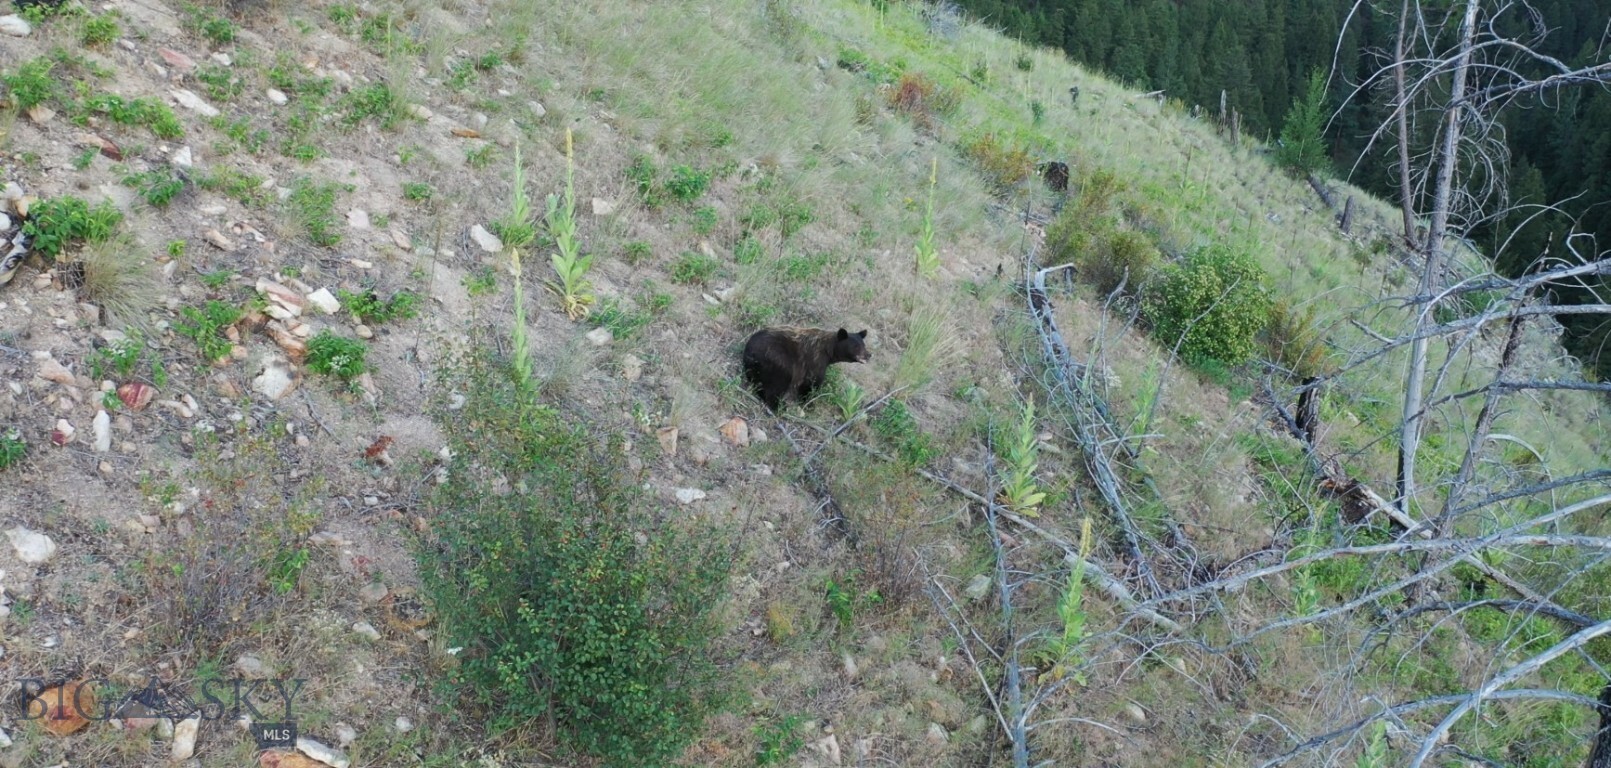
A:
(393, 347)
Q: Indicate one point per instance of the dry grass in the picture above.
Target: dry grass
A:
(120, 278)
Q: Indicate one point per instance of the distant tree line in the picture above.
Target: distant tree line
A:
(1261, 54)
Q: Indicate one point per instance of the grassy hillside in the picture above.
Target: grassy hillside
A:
(813, 588)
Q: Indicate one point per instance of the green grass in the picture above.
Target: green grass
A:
(157, 187)
(694, 269)
(418, 192)
(100, 31)
(312, 206)
(12, 449)
(31, 84)
(371, 309)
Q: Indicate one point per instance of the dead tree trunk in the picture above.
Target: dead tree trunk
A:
(1347, 222)
(1600, 757)
(1309, 410)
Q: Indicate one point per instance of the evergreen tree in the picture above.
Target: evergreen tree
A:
(1303, 147)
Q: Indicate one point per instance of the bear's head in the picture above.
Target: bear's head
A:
(850, 347)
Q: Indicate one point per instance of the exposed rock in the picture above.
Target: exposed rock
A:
(252, 668)
(1136, 713)
(366, 629)
(40, 114)
(184, 64)
(937, 734)
(135, 395)
(194, 103)
(403, 725)
(283, 759)
(53, 371)
(358, 218)
(277, 97)
(400, 239)
(324, 754)
(218, 240)
(758, 435)
(363, 331)
(466, 133)
(488, 241)
(184, 738)
(63, 433)
(324, 301)
(184, 158)
(600, 336)
(689, 495)
(373, 592)
(978, 587)
(851, 670)
(65, 705)
(631, 368)
(828, 748)
(736, 431)
(32, 547)
(14, 25)
(537, 108)
(668, 440)
(101, 427)
(276, 380)
(345, 735)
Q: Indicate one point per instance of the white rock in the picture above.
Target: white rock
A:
(937, 734)
(403, 725)
(1136, 713)
(363, 331)
(488, 241)
(829, 748)
(419, 111)
(194, 103)
(51, 370)
(602, 207)
(600, 336)
(5, 741)
(184, 158)
(15, 26)
(851, 670)
(278, 97)
(252, 668)
(326, 302)
(367, 630)
(978, 588)
(345, 734)
(32, 547)
(222, 58)
(631, 368)
(184, 738)
(102, 428)
(276, 379)
(324, 754)
(689, 495)
(358, 218)
(537, 108)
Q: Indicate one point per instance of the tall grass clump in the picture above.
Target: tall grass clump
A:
(928, 347)
(570, 264)
(928, 257)
(120, 279)
(577, 602)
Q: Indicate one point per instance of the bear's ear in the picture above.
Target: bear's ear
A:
(843, 334)
(863, 334)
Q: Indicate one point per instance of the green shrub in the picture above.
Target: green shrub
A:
(157, 187)
(58, 222)
(369, 307)
(575, 601)
(12, 449)
(206, 327)
(100, 31)
(31, 84)
(693, 269)
(686, 184)
(149, 113)
(313, 205)
(1001, 162)
(337, 356)
(1213, 304)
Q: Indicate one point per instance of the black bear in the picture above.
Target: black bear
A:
(780, 361)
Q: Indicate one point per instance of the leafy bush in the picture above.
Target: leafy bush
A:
(574, 599)
(334, 355)
(1214, 304)
(58, 222)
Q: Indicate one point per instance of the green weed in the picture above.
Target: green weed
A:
(206, 327)
(371, 310)
(481, 282)
(569, 263)
(12, 449)
(58, 222)
(418, 192)
(337, 356)
(928, 257)
(31, 84)
(1019, 491)
(636, 252)
(779, 741)
(157, 187)
(693, 269)
(100, 31)
(313, 206)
